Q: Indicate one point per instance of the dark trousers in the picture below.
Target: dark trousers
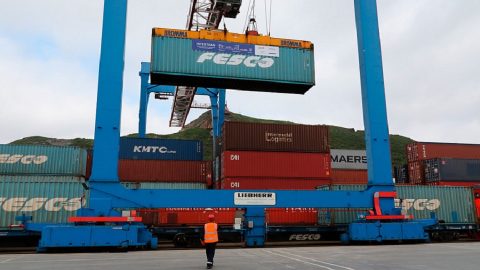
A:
(210, 249)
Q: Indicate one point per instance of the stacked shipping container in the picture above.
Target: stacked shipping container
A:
(44, 182)
(275, 156)
(419, 152)
(450, 171)
(349, 166)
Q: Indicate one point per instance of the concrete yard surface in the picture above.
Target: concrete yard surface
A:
(448, 256)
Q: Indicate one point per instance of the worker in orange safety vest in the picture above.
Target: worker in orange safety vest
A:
(210, 239)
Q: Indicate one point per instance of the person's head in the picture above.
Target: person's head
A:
(211, 217)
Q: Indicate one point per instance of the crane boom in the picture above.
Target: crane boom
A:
(203, 14)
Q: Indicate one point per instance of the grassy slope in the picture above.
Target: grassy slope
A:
(340, 138)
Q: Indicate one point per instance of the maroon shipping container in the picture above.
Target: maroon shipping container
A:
(349, 177)
(426, 150)
(291, 216)
(164, 171)
(416, 172)
(187, 216)
(272, 183)
(88, 170)
(275, 164)
(275, 137)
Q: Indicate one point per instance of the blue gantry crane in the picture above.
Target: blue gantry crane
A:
(107, 221)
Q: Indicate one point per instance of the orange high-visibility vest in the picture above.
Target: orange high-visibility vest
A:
(211, 234)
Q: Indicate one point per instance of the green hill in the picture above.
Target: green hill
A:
(199, 129)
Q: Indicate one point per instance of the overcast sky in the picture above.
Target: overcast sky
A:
(49, 54)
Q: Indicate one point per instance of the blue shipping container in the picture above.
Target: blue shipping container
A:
(160, 149)
(42, 160)
(452, 169)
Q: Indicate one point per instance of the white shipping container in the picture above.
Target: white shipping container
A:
(346, 159)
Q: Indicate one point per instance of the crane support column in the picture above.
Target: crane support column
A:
(144, 96)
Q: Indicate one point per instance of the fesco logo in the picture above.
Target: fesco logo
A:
(305, 237)
(236, 59)
(418, 204)
(24, 159)
(24, 204)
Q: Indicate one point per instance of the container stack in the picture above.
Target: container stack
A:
(452, 172)
(259, 156)
(349, 167)
(163, 164)
(44, 182)
(419, 152)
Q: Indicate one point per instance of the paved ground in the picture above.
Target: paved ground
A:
(451, 256)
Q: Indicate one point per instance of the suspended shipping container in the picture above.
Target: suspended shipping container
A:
(346, 159)
(164, 171)
(222, 59)
(48, 199)
(275, 164)
(160, 149)
(291, 216)
(449, 204)
(187, 216)
(272, 183)
(275, 137)
(427, 150)
(449, 169)
(44, 160)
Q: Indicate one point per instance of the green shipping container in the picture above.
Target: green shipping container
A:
(450, 204)
(49, 199)
(42, 160)
(178, 58)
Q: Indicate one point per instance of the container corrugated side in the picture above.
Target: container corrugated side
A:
(160, 149)
(449, 169)
(347, 159)
(181, 60)
(450, 204)
(163, 185)
(164, 171)
(272, 183)
(357, 177)
(186, 216)
(246, 136)
(416, 172)
(49, 199)
(38, 159)
(275, 164)
(291, 216)
(428, 150)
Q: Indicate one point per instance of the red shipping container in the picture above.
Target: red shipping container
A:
(248, 136)
(275, 164)
(426, 150)
(416, 172)
(88, 170)
(187, 216)
(164, 171)
(347, 177)
(272, 183)
(291, 216)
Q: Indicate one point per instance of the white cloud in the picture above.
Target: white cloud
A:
(430, 49)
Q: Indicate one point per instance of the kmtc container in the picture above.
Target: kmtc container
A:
(275, 165)
(49, 199)
(160, 149)
(275, 137)
(427, 150)
(164, 171)
(42, 160)
(449, 204)
(449, 169)
(235, 61)
(348, 159)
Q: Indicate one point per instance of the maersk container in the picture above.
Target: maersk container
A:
(449, 204)
(347, 159)
(222, 59)
(247, 136)
(160, 149)
(450, 169)
(42, 160)
(48, 199)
